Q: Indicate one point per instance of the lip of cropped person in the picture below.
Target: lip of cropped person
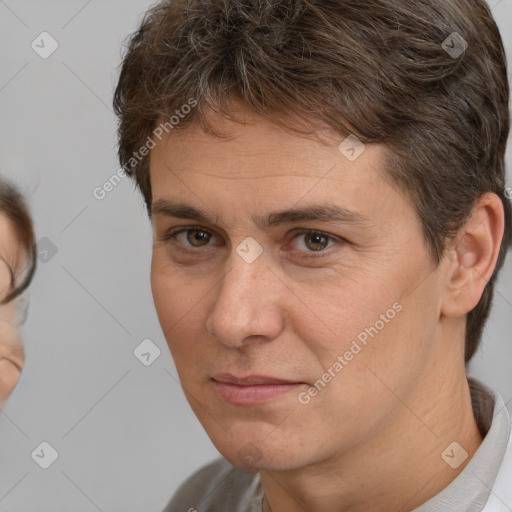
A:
(12, 355)
(233, 325)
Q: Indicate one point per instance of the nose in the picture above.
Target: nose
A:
(247, 306)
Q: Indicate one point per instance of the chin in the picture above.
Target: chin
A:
(253, 453)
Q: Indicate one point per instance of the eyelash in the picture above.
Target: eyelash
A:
(173, 233)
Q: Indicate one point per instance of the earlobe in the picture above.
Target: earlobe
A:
(472, 258)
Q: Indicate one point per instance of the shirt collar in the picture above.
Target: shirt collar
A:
(470, 491)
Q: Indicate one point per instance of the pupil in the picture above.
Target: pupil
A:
(197, 238)
(318, 242)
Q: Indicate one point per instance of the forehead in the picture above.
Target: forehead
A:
(257, 148)
(260, 172)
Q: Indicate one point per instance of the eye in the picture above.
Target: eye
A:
(305, 242)
(313, 241)
(191, 237)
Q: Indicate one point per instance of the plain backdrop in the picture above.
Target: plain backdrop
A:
(124, 434)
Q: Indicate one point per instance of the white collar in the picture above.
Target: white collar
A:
(500, 499)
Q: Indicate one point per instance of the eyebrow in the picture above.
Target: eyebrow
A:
(324, 213)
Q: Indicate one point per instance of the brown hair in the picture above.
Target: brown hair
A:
(377, 69)
(13, 206)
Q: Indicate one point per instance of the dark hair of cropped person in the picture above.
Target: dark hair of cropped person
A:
(13, 206)
(376, 69)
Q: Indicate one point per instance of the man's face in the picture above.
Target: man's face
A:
(12, 259)
(304, 292)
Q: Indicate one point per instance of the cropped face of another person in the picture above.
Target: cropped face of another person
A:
(17, 265)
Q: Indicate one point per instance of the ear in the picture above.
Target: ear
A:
(471, 258)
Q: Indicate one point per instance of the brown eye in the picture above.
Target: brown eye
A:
(316, 241)
(191, 237)
(198, 237)
(314, 244)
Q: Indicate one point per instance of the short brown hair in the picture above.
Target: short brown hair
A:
(13, 206)
(378, 69)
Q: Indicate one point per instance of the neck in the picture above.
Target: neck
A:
(400, 468)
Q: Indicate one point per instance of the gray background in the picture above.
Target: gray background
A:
(124, 433)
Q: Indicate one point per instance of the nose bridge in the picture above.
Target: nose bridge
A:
(240, 287)
(245, 304)
(243, 275)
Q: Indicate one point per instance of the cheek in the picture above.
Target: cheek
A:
(9, 376)
(173, 295)
(348, 311)
(180, 304)
(380, 327)
(11, 359)
(383, 352)
(361, 373)
(5, 280)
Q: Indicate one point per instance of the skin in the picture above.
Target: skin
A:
(372, 439)
(12, 357)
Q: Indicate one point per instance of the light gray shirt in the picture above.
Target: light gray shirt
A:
(220, 487)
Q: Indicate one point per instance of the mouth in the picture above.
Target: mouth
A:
(252, 389)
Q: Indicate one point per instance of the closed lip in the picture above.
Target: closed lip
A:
(251, 380)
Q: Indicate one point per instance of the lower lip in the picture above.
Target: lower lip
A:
(252, 395)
